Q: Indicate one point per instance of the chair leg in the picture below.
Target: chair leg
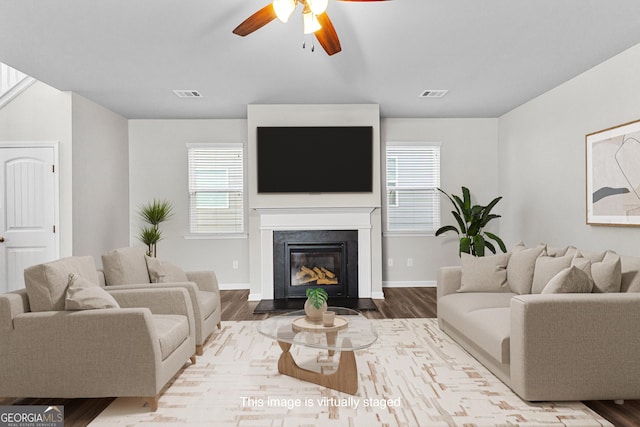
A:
(199, 350)
(219, 325)
(152, 402)
(193, 359)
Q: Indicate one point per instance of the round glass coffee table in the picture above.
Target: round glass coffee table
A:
(350, 331)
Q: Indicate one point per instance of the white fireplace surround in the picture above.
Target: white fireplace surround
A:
(275, 219)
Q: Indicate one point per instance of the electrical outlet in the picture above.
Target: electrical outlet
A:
(235, 264)
(409, 262)
(389, 262)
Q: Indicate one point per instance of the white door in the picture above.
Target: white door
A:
(28, 206)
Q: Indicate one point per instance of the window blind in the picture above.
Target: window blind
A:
(412, 178)
(216, 188)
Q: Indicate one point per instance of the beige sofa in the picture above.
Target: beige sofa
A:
(130, 268)
(57, 344)
(549, 345)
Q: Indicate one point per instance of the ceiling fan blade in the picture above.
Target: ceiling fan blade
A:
(327, 36)
(256, 21)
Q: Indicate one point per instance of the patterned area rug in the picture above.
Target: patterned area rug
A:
(414, 375)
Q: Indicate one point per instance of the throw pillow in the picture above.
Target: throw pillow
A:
(126, 266)
(484, 274)
(630, 267)
(591, 256)
(569, 280)
(521, 267)
(556, 252)
(607, 274)
(84, 295)
(46, 284)
(164, 271)
(547, 267)
(560, 252)
(583, 264)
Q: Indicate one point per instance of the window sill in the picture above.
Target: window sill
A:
(215, 236)
(408, 234)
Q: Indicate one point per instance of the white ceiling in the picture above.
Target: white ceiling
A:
(492, 55)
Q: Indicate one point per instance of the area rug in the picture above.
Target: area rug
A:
(414, 375)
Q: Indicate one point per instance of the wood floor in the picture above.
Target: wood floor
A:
(398, 303)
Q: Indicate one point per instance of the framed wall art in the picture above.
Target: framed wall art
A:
(613, 175)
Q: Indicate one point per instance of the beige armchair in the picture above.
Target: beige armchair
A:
(130, 268)
(133, 350)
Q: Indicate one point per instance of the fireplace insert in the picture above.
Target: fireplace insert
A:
(315, 258)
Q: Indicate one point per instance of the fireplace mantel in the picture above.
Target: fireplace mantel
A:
(272, 219)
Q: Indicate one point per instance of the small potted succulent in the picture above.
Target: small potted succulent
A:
(316, 304)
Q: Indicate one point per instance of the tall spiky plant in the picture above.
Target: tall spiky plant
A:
(471, 221)
(153, 213)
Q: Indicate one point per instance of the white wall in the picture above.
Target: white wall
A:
(158, 169)
(42, 113)
(101, 194)
(468, 156)
(542, 157)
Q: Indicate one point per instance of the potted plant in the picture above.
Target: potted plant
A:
(471, 222)
(153, 213)
(316, 304)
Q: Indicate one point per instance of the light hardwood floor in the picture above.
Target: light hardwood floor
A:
(398, 303)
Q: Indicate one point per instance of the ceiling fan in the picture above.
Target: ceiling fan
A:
(314, 18)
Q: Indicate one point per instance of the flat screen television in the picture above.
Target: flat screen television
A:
(320, 159)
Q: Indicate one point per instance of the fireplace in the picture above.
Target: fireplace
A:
(304, 259)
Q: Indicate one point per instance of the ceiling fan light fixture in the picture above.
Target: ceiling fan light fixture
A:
(310, 22)
(318, 7)
(284, 9)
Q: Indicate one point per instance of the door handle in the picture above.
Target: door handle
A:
(1, 239)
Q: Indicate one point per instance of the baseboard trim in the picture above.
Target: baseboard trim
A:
(254, 297)
(234, 286)
(410, 284)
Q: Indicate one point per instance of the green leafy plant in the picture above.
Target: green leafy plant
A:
(153, 213)
(471, 222)
(317, 296)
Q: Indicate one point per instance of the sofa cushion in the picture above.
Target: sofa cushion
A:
(570, 280)
(172, 331)
(483, 317)
(484, 274)
(84, 295)
(546, 268)
(209, 302)
(521, 267)
(164, 271)
(126, 266)
(490, 330)
(46, 284)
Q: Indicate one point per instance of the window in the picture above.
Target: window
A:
(216, 188)
(412, 179)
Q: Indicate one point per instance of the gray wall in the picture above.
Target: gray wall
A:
(158, 168)
(468, 156)
(101, 190)
(542, 157)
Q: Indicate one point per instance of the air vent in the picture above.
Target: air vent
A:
(433, 93)
(187, 94)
